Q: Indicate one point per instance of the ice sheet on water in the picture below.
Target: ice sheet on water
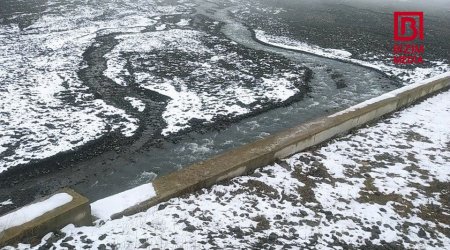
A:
(372, 61)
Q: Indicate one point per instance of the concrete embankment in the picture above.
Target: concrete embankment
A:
(31, 222)
(247, 158)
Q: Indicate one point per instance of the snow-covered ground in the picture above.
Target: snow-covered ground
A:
(196, 80)
(45, 107)
(386, 184)
(48, 109)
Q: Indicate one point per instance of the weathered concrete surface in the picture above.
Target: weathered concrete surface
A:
(77, 212)
(247, 158)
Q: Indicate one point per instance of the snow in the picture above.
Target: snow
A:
(136, 103)
(33, 211)
(406, 75)
(183, 22)
(382, 186)
(114, 204)
(46, 108)
(40, 66)
(6, 203)
(301, 46)
(160, 27)
(201, 95)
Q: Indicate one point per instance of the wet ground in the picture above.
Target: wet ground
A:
(115, 68)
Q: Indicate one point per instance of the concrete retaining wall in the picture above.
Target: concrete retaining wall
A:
(77, 212)
(247, 158)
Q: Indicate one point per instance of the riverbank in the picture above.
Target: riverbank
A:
(385, 185)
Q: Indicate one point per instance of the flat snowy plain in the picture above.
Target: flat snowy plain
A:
(385, 185)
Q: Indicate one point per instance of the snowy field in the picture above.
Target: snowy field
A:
(49, 104)
(47, 107)
(385, 185)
